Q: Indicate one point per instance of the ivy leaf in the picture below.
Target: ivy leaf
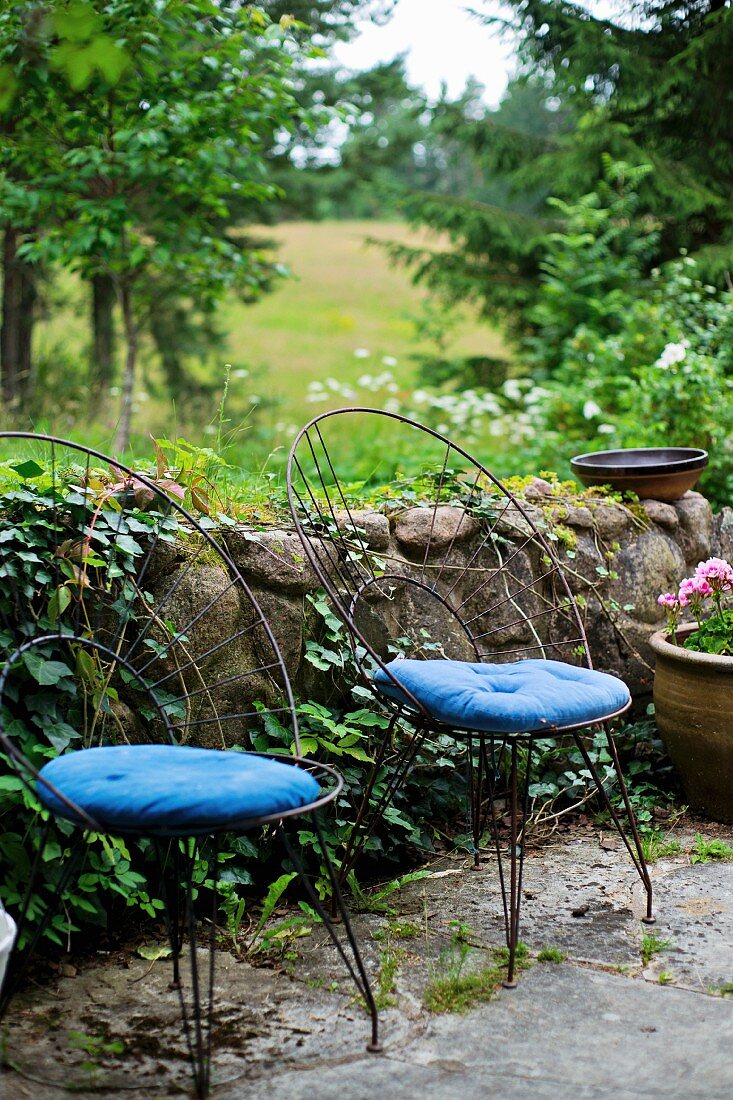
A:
(154, 951)
(44, 671)
(58, 603)
(27, 469)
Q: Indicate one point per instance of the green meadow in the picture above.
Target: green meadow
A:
(343, 311)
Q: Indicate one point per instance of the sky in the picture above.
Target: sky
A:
(445, 43)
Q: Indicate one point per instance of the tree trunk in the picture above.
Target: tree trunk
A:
(19, 296)
(122, 436)
(101, 367)
(166, 323)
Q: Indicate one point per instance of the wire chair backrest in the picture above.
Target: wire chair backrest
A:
(469, 572)
(121, 607)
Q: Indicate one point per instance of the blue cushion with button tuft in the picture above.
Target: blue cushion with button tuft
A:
(174, 789)
(512, 698)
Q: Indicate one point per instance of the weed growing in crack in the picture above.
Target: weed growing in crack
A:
(551, 955)
(652, 944)
(656, 845)
(390, 960)
(452, 988)
(704, 851)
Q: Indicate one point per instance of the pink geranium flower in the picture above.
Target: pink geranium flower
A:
(712, 580)
(716, 573)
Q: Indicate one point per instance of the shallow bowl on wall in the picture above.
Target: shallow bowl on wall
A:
(659, 473)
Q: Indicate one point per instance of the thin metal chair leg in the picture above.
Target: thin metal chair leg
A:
(642, 867)
(475, 796)
(356, 846)
(516, 856)
(493, 823)
(356, 969)
(636, 852)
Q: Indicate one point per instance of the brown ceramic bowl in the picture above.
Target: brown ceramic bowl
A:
(658, 473)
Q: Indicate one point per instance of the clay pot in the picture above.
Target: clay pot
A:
(693, 699)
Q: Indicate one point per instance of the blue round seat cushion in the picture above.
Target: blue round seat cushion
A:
(522, 697)
(173, 789)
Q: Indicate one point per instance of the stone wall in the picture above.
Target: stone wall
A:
(619, 559)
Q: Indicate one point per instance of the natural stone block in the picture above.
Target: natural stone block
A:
(664, 515)
(650, 564)
(696, 527)
(371, 527)
(439, 526)
(722, 542)
(611, 520)
(272, 558)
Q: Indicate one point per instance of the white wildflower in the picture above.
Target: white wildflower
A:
(673, 353)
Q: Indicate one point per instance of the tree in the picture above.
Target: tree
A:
(651, 84)
(132, 174)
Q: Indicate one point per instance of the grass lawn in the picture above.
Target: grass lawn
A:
(343, 296)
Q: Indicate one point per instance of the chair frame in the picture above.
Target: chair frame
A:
(182, 845)
(341, 559)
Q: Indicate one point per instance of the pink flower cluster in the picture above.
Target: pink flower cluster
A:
(712, 579)
(717, 574)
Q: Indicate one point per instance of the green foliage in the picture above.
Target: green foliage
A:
(134, 161)
(646, 83)
(704, 851)
(626, 361)
(714, 635)
(656, 845)
(81, 708)
(652, 944)
(551, 955)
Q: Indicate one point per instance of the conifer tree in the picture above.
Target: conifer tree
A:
(652, 83)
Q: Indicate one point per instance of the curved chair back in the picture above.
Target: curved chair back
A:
(471, 572)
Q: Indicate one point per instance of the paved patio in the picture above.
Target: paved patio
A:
(597, 1025)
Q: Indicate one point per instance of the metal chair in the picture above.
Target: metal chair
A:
(471, 575)
(135, 655)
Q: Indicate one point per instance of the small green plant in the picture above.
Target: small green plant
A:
(375, 901)
(399, 930)
(390, 960)
(551, 955)
(266, 937)
(652, 944)
(453, 988)
(665, 977)
(726, 990)
(96, 1047)
(656, 845)
(704, 851)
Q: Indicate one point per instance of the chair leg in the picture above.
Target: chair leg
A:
(21, 956)
(492, 775)
(516, 855)
(368, 816)
(355, 968)
(636, 852)
(197, 1020)
(474, 786)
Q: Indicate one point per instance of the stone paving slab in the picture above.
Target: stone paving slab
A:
(566, 1031)
(599, 1026)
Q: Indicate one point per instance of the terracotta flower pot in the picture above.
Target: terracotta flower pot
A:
(693, 699)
